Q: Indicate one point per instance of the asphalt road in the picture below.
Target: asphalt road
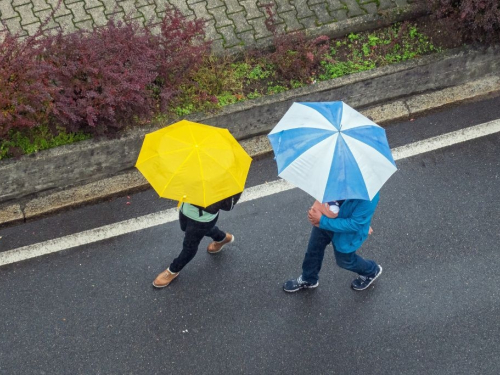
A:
(434, 310)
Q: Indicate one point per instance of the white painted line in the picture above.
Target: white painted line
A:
(123, 227)
(445, 140)
(255, 192)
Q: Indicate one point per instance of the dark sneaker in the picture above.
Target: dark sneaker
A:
(363, 282)
(297, 284)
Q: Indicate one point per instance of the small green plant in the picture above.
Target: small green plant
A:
(296, 84)
(184, 111)
(29, 141)
(352, 37)
(226, 99)
(258, 73)
(254, 95)
(276, 89)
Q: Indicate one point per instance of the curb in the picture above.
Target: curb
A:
(257, 147)
(74, 175)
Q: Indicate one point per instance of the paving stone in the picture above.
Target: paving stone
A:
(220, 17)
(78, 11)
(302, 9)
(14, 26)
(16, 3)
(39, 5)
(353, 9)
(401, 3)
(179, 4)
(142, 3)
(233, 6)
(211, 31)
(111, 8)
(149, 13)
(340, 15)
(247, 37)
(315, 2)
(284, 6)
(61, 11)
(240, 22)
(33, 28)
(230, 38)
(92, 4)
(98, 16)
(7, 10)
(335, 5)
(218, 45)
(200, 10)
(85, 25)
(214, 4)
(291, 22)
(45, 15)
(27, 15)
(321, 12)
(370, 8)
(129, 9)
(385, 4)
(309, 22)
(251, 8)
(66, 23)
(260, 28)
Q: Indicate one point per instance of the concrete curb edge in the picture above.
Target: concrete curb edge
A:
(132, 181)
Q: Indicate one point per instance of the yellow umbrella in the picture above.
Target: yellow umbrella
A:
(193, 163)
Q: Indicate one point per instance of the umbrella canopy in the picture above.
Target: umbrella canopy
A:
(194, 163)
(331, 151)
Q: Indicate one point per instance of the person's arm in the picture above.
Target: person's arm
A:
(360, 217)
(324, 208)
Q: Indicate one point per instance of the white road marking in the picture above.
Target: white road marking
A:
(255, 192)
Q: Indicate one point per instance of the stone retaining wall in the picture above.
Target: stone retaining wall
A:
(88, 161)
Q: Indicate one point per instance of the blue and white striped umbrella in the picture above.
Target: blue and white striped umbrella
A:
(331, 151)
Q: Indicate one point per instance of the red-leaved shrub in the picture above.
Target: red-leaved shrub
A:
(25, 95)
(180, 49)
(294, 55)
(101, 77)
(479, 20)
(297, 57)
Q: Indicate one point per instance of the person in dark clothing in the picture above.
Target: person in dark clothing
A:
(196, 223)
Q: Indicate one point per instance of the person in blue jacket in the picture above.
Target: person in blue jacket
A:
(347, 231)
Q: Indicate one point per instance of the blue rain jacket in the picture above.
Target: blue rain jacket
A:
(351, 226)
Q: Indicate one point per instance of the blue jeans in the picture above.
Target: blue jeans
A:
(194, 231)
(319, 240)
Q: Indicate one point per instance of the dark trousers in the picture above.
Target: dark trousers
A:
(319, 240)
(194, 231)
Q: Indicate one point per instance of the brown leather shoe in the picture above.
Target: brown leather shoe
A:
(215, 247)
(164, 278)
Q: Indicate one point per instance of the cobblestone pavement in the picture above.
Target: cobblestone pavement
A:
(232, 24)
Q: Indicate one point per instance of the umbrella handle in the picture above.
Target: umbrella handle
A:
(181, 202)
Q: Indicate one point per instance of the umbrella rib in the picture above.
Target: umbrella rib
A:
(173, 174)
(216, 161)
(163, 154)
(202, 178)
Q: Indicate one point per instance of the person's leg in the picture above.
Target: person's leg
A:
(367, 269)
(193, 234)
(313, 259)
(220, 239)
